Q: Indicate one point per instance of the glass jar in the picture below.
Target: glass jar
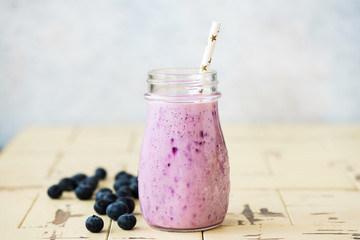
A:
(184, 169)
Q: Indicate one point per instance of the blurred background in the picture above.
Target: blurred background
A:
(85, 62)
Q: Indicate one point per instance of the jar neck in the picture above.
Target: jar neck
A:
(182, 85)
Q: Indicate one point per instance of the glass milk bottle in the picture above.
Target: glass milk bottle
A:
(183, 170)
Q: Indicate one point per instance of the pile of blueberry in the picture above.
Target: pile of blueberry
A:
(83, 185)
(117, 205)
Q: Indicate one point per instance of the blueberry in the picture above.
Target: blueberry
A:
(55, 191)
(100, 173)
(122, 173)
(91, 181)
(134, 190)
(129, 202)
(121, 182)
(123, 191)
(78, 177)
(84, 191)
(126, 221)
(116, 209)
(134, 180)
(94, 224)
(123, 176)
(67, 184)
(100, 206)
(101, 193)
(110, 197)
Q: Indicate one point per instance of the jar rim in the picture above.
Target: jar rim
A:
(182, 74)
(182, 85)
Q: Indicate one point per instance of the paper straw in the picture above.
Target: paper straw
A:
(210, 46)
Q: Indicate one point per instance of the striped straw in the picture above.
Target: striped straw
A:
(210, 46)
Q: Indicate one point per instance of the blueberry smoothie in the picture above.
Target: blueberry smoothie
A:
(183, 170)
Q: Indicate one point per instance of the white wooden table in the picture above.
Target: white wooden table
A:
(287, 182)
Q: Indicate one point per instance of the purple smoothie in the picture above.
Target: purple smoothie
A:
(183, 169)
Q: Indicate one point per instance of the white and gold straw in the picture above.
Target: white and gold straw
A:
(210, 46)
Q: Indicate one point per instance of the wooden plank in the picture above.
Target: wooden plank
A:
(15, 205)
(281, 233)
(245, 162)
(295, 130)
(137, 138)
(352, 169)
(40, 139)
(22, 170)
(62, 219)
(307, 172)
(248, 169)
(275, 145)
(256, 207)
(337, 166)
(16, 234)
(324, 208)
(104, 139)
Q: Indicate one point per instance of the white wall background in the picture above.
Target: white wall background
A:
(85, 61)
